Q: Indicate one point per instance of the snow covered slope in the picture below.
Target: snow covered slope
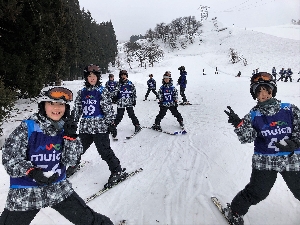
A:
(181, 173)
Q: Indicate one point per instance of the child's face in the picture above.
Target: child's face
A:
(166, 80)
(124, 77)
(92, 79)
(55, 110)
(111, 78)
(263, 94)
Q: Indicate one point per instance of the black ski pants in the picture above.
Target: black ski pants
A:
(162, 112)
(130, 112)
(102, 143)
(182, 90)
(261, 183)
(148, 92)
(288, 77)
(72, 208)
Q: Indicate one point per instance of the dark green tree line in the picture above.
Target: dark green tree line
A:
(45, 41)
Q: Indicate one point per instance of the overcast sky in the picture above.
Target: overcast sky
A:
(134, 17)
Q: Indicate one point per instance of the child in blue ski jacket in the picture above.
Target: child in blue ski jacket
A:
(93, 108)
(126, 99)
(182, 82)
(275, 129)
(151, 83)
(111, 86)
(36, 156)
(168, 100)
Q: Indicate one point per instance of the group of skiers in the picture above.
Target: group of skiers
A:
(44, 149)
(285, 75)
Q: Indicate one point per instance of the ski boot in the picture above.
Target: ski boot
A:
(116, 177)
(137, 128)
(181, 124)
(156, 127)
(71, 170)
(233, 218)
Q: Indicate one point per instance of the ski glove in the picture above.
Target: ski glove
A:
(288, 146)
(134, 103)
(113, 130)
(38, 175)
(234, 119)
(70, 128)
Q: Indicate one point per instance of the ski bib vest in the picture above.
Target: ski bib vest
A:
(271, 129)
(167, 94)
(111, 85)
(91, 103)
(151, 83)
(44, 152)
(125, 91)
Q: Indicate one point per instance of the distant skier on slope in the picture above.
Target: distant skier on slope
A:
(274, 73)
(282, 73)
(111, 86)
(289, 74)
(274, 128)
(151, 83)
(182, 81)
(168, 99)
(35, 155)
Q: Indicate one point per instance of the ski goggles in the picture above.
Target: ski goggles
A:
(58, 93)
(93, 68)
(263, 76)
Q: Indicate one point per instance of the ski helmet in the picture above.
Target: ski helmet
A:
(182, 68)
(262, 78)
(110, 75)
(123, 72)
(54, 94)
(151, 75)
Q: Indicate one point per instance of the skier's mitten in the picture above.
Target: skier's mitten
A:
(290, 146)
(234, 119)
(38, 175)
(70, 128)
(134, 102)
(113, 130)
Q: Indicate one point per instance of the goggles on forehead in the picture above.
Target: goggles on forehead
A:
(93, 68)
(58, 93)
(262, 77)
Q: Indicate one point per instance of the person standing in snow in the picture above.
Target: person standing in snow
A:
(151, 83)
(299, 77)
(126, 99)
(274, 128)
(93, 106)
(111, 85)
(168, 100)
(182, 82)
(274, 73)
(239, 74)
(36, 155)
(282, 73)
(289, 74)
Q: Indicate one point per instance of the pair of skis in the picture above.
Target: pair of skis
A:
(105, 189)
(179, 132)
(183, 131)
